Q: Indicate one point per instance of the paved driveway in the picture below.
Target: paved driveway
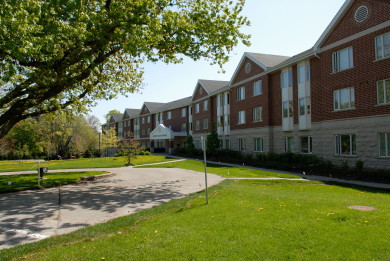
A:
(32, 215)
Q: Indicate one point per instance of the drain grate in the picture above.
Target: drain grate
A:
(362, 208)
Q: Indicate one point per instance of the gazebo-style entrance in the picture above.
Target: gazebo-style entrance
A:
(164, 137)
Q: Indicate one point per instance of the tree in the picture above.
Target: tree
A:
(94, 122)
(131, 148)
(108, 115)
(109, 140)
(6, 146)
(212, 143)
(67, 54)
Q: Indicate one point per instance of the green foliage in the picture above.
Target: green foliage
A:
(109, 140)
(69, 54)
(131, 148)
(189, 142)
(212, 141)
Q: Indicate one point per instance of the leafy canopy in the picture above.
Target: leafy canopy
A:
(67, 54)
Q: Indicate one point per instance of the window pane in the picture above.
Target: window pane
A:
(353, 145)
(386, 45)
(285, 109)
(301, 74)
(344, 99)
(387, 91)
(352, 98)
(345, 145)
(302, 106)
(381, 92)
(304, 144)
(290, 109)
(336, 99)
(307, 72)
(290, 79)
(343, 59)
(379, 47)
(382, 144)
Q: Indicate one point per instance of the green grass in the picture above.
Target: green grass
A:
(222, 170)
(13, 183)
(244, 220)
(112, 162)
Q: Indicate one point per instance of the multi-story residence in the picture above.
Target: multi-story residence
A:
(332, 100)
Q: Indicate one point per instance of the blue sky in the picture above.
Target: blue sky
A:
(280, 27)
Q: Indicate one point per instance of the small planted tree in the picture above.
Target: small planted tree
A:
(212, 143)
(131, 148)
(109, 141)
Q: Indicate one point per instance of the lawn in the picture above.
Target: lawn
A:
(222, 170)
(244, 220)
(112, 162)
(13, 183)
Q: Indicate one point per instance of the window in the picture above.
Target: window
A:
(383, 90)
(248, 68)
(148, 119)
(288, 109)
(197, 125)
(241, 93)
(183, 112)
(148, 131)
(242, 144)
(169, 115)
(306, 145)
(205, 123)
(384, 144)
(302, 106)
(303, 73)
(344, 99)
(197, 108)
(227, 144)
(184, 127)
(241, 117)
(286, 79)
(382, 46)
(220, 121)
(258, 144)
(257, 88)
(227, 98)
(143, 120)
(342, 60)
(205, 105)
(288, 144)
(143, 131)
(258, 114)
(346, 144)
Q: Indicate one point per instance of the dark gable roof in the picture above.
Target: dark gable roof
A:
(154, 107)
(176, 104)
(266, 60)
(213, 86)
(117, 116)
(133, 113)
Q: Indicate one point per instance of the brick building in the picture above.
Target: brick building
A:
(332, 100)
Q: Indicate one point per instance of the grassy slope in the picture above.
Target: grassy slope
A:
(29, 181)
(222, 170)
(79, 163)
(245, 220)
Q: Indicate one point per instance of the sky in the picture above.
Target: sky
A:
(280, 27)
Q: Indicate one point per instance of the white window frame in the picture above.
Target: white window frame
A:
(337, 61)
(337, 96)
(384, 152)
(205, 123)
(258, 145)
(241, 93)
(197, 108)
(143, 120)
(339, 144)
(288, 146)
(183, 112)
(309, 148)
(257, 88)
(380, 51)
(241, 119)
(241, 144)
(184, 127)
(169, 115)
(385, 92)
(205, 105)
(148, 119)
(258, 111)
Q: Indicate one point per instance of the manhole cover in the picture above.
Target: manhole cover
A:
(362, 208)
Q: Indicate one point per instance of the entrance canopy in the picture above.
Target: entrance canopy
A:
(161, 132)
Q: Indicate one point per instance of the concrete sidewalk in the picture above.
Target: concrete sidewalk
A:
(28, 216)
